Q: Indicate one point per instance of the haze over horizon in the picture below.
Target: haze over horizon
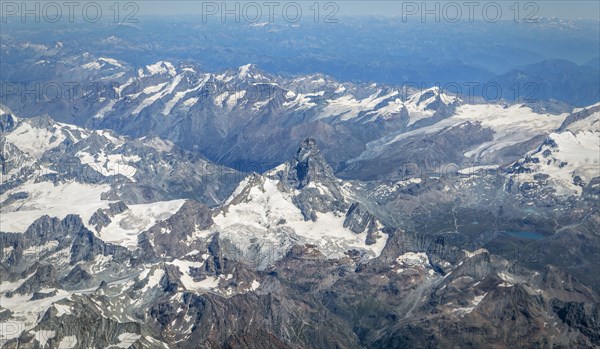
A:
(580, 9)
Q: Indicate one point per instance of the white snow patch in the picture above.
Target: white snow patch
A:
(255, 285)
(507, 278)
(418, 109)
(259, 24)
(413, 258)
(26, 312)
(35, 141)
(127, 339)
(125, 227)
(119, 90)
(179, 95)
(243, 70)
(263, 212)
(45, 198)
(188, 282)
(62, 309)
(474, 303)
(155, 88)
(301, 101)
(153, 280)
(111, 164)
(188, 103)
(511, 125)
(161, 68)
(474, 253)
(111, 61)
(106, 109)
(92, 65)
(574, 154)
(162, 93)
(68, 342)
(348, 107)
(42, 336)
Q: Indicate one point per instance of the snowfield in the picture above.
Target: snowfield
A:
(45, 198)
(270, 215)
(125, 227)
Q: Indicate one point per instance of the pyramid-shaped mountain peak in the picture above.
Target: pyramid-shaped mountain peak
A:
(308, 165)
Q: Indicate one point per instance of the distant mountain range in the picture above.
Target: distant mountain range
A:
(552, 80)
(360, 50)
(248, 119)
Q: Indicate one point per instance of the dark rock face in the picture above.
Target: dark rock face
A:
(171, 237)
(306, 166)
(47, 229)
(311, 175)
(42, 295)
(372, 234)
(217, 263)
(592, 190)
(311, 201)
(358, 219)
(78, 278)
(7, 122)
(85, 326)
(86, 246)
(581, 317)
(102, 217)
(44, 277)
(15, 197)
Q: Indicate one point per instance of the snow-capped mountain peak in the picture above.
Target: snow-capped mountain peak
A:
(569, 158)
(300, 201)
(308, 165)
(161, 67)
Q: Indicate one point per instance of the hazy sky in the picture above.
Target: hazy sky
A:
(547, 8)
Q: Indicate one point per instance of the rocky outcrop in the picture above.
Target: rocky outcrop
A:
(579, 115)
(7, 122)
(44, 277)
(173, 236)
(86, 246)
(358, 218)
(102, 217)
(581, 317)
(306, 166)
(77, 279)
(84, 325)
(309, 174)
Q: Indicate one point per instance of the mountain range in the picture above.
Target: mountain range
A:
(121, 247)
(365, 184)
